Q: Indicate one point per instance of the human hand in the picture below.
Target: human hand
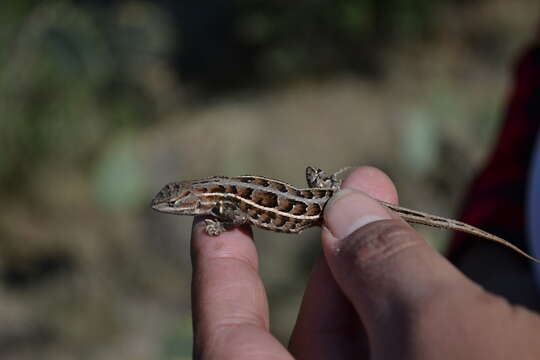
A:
(379, 292)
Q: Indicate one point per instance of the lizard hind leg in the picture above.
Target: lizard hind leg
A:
(312, 176)
(317, 178)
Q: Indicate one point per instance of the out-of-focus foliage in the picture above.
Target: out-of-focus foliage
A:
(320, 36)
(102, 102)
(70, 78)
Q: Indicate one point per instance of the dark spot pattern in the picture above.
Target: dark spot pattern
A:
(279, 221)
(313, 209)
(289, 226)
(213, 198)
(278, 186)
(264, 198)
(230, 189)
(276, 222)
(216, 188)
(211, 179)
(245, 192)
(242, 205)
(318, 193)
(264, 218)
(285, 204)
(294, 192)
(261, 182)
(307, 194)
(253, 213)
(299, 208)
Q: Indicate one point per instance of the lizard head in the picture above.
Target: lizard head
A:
(179, 198)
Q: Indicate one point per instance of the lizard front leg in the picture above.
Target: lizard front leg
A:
(228, 215)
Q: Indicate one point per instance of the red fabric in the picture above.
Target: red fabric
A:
(496, 199)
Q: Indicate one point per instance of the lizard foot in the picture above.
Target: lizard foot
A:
(214, 227)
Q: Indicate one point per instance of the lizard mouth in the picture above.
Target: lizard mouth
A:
(168, 209)
(161, 207)
(171, 208)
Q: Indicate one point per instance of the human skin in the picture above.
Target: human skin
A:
(379, 291)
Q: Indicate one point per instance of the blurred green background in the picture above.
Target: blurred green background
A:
(103, 102)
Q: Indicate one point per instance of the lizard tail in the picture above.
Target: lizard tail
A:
(418, 217)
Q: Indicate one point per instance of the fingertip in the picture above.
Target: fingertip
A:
(349, 210)
(228, 295)
(393, 265)
(373, 182)
(234, 243)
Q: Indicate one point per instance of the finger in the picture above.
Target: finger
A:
(327, 324)
(383, 266)
(372, 182)
(230, 309)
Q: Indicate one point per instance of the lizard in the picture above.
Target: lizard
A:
(278, 206)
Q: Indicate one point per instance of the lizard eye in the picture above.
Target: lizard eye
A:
(215, 210)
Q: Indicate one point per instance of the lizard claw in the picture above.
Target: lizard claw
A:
(214, 227)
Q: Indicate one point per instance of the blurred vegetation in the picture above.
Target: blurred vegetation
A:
(70, 80)
(317, 37)
(102, 102)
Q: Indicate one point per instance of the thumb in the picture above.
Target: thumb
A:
(384, 267)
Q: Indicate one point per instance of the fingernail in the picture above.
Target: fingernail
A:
(349, 210)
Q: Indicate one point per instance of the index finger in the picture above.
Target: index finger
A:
(230, 309)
